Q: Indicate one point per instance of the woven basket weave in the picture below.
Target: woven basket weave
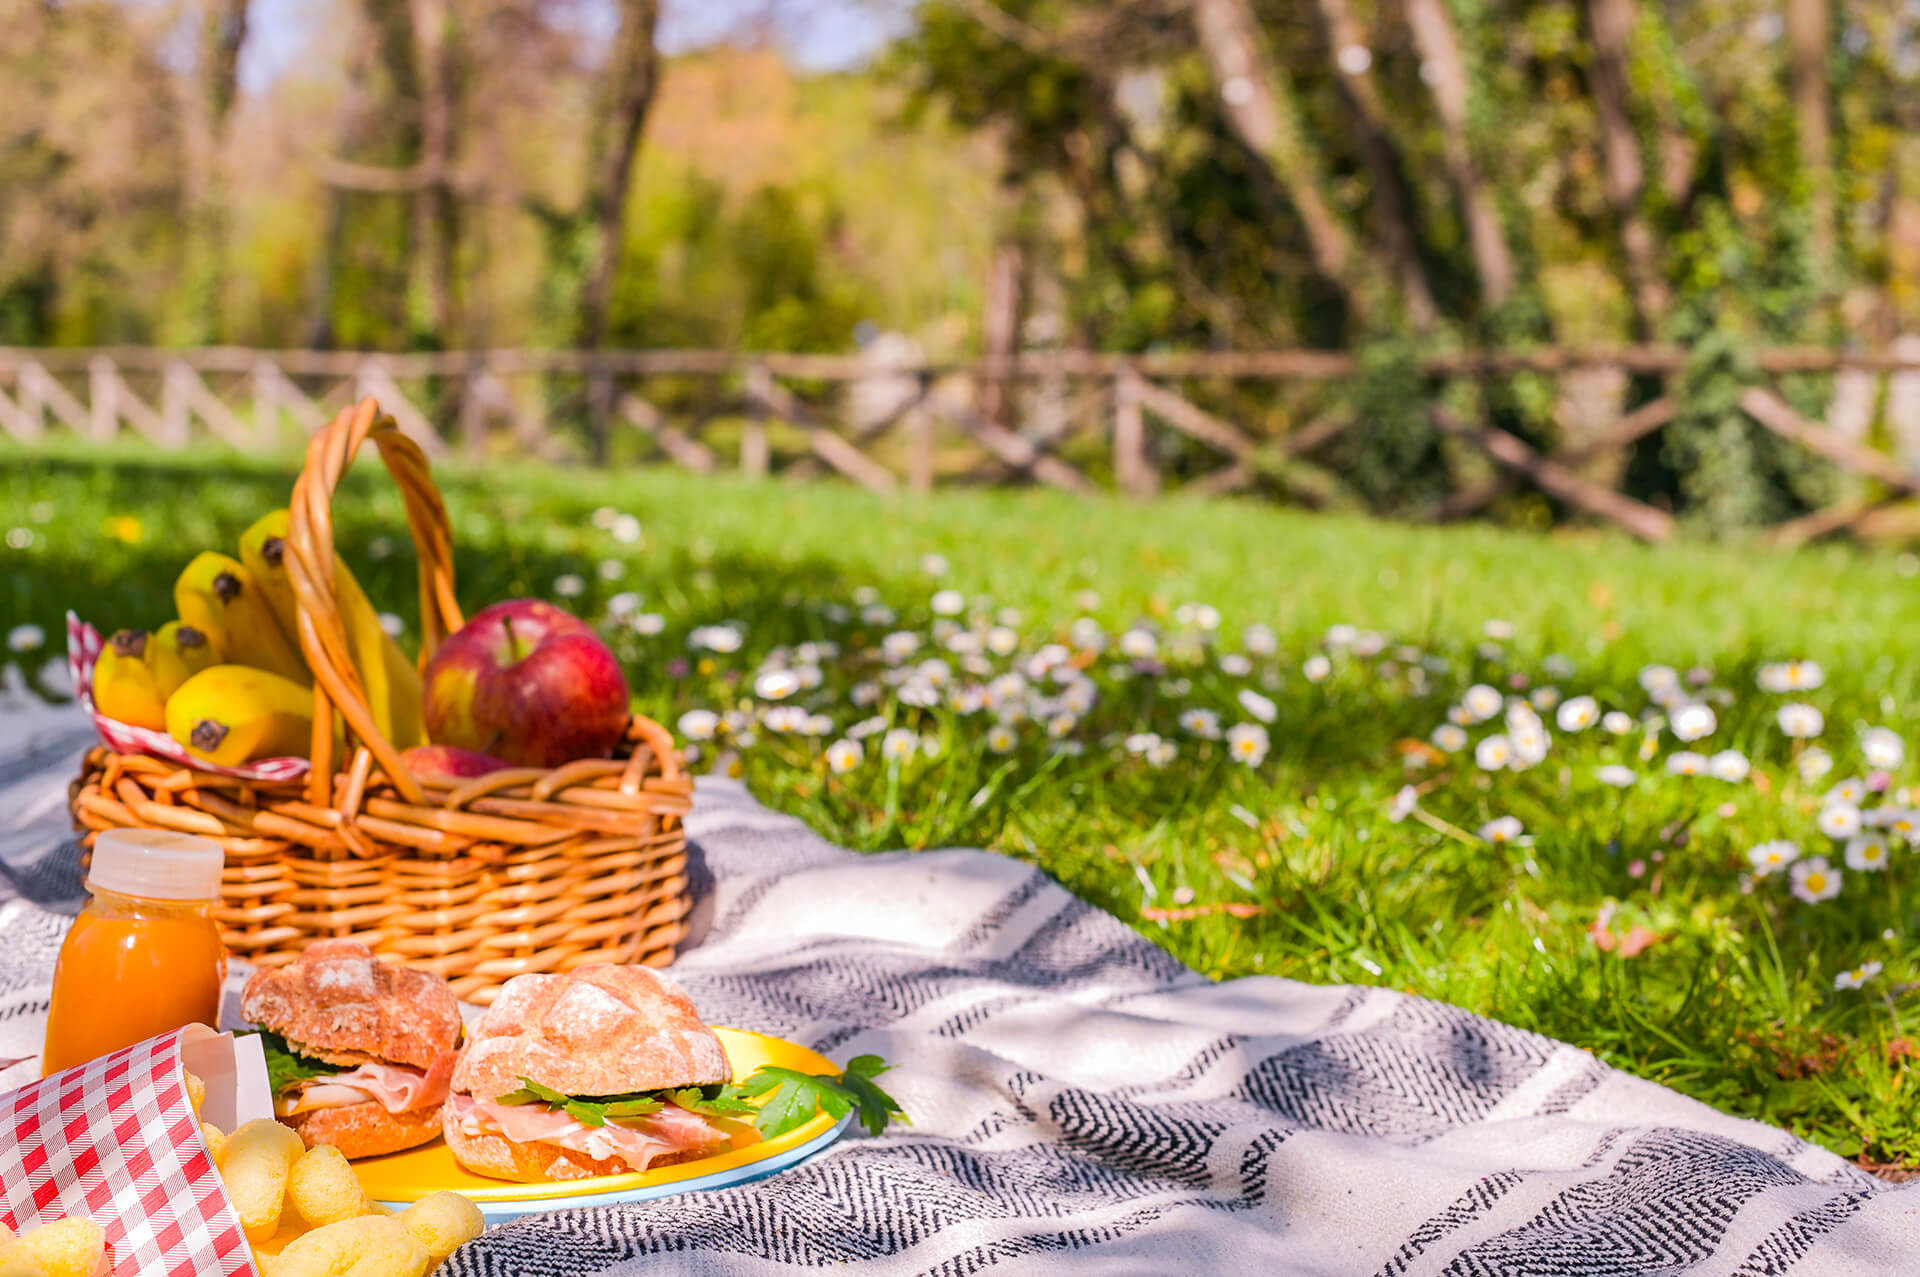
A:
(531, 869)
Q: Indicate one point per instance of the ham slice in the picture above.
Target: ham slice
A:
(394, 1088)
(637, 1141)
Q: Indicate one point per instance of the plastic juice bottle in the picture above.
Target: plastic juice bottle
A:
(145, 955)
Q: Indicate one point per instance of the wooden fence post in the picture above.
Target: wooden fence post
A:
(266, 403)
(1132, 468)
(755, 455)
(103, 398)
(599, 408)
(920, 439)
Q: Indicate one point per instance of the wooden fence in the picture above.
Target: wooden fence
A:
(1073, 420)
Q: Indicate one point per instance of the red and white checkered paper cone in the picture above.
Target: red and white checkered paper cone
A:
(116, 1140)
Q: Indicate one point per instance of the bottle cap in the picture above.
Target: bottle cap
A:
(157, 864)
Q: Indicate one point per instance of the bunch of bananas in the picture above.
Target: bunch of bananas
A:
(228, 681)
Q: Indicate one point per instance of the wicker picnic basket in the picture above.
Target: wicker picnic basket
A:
(529, 869)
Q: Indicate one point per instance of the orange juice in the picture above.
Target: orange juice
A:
(145, 955)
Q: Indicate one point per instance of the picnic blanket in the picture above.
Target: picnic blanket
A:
(1080, 1098)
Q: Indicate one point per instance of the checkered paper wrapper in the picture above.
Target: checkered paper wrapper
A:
(116, 1140)
(84, 645)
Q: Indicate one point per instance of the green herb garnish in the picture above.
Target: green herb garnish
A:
(792, 1098)
(286, 1067)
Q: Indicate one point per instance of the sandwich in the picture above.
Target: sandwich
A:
(359, 1051)
(601, 1071)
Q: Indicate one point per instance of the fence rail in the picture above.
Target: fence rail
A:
(1211, 422)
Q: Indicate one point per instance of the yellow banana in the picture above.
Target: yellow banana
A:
(393, 683)
(234, 714)
(219, 597)
(123, 682)
(177, 651)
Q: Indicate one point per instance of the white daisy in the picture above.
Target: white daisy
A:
(1692, 722)
(1867, 852)
(1449, 738)
(610, 569)
(1061, 725)
(1247, 743)
(1079, 696)
(626, 529)
(1687, 763)
(1203, 723)
(1790, 676)
(1493, 753)
(716, 638)
(1139, 644)
(1850, 790)
(1502, 829)
(1769, 858)
(647, 624)
(1002, 641)
(1616, 775)
(1257, 705)
(1496, 629)
(1086, 635)
(1729, 765)
(569, 585)
(1883, 748)
(898, 646)
(1801, 721)
(1316, 669)
(1162, 753)
(1404, 801)
(1655, 679)
(949, 603)
(1814, 764)
(392, 624)
(1544, 698)
(776, 685)
(1482, 702)
(1619, 722)
(934, 564)
(844, 755)
(699, 724)
(1839, 820)
(1857, 976)
(1815, 880)
(877, 614)
(1001, 738)
(898, 744)
(1528, 734)
(1260, 640)
(1141, 742)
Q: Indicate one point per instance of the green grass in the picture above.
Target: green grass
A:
(1735, 1004)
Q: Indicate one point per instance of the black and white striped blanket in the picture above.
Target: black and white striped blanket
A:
(1078, 1097)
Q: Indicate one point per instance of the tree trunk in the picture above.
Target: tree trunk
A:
(1353, 58)
(1807, 30)
(1261, 110)
(1000, 326)
(209, 103)
(436, 210)
(1445, 71)
(632, 74)
(1624, 172)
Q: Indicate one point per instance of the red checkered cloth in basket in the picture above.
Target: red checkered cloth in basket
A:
(115, 1140)
(83, 649)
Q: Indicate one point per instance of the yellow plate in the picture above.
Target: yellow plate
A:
(399, 1178)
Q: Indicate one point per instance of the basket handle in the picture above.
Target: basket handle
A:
(323, 634)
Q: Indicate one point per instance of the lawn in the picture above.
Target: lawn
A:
(1324, 835)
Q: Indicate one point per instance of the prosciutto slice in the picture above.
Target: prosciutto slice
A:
(394, 1088)
(637, 1141)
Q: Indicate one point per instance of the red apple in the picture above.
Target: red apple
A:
(527, 683)
(450, 762)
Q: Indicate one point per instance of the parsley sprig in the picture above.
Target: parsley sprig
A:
(791, 1099)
